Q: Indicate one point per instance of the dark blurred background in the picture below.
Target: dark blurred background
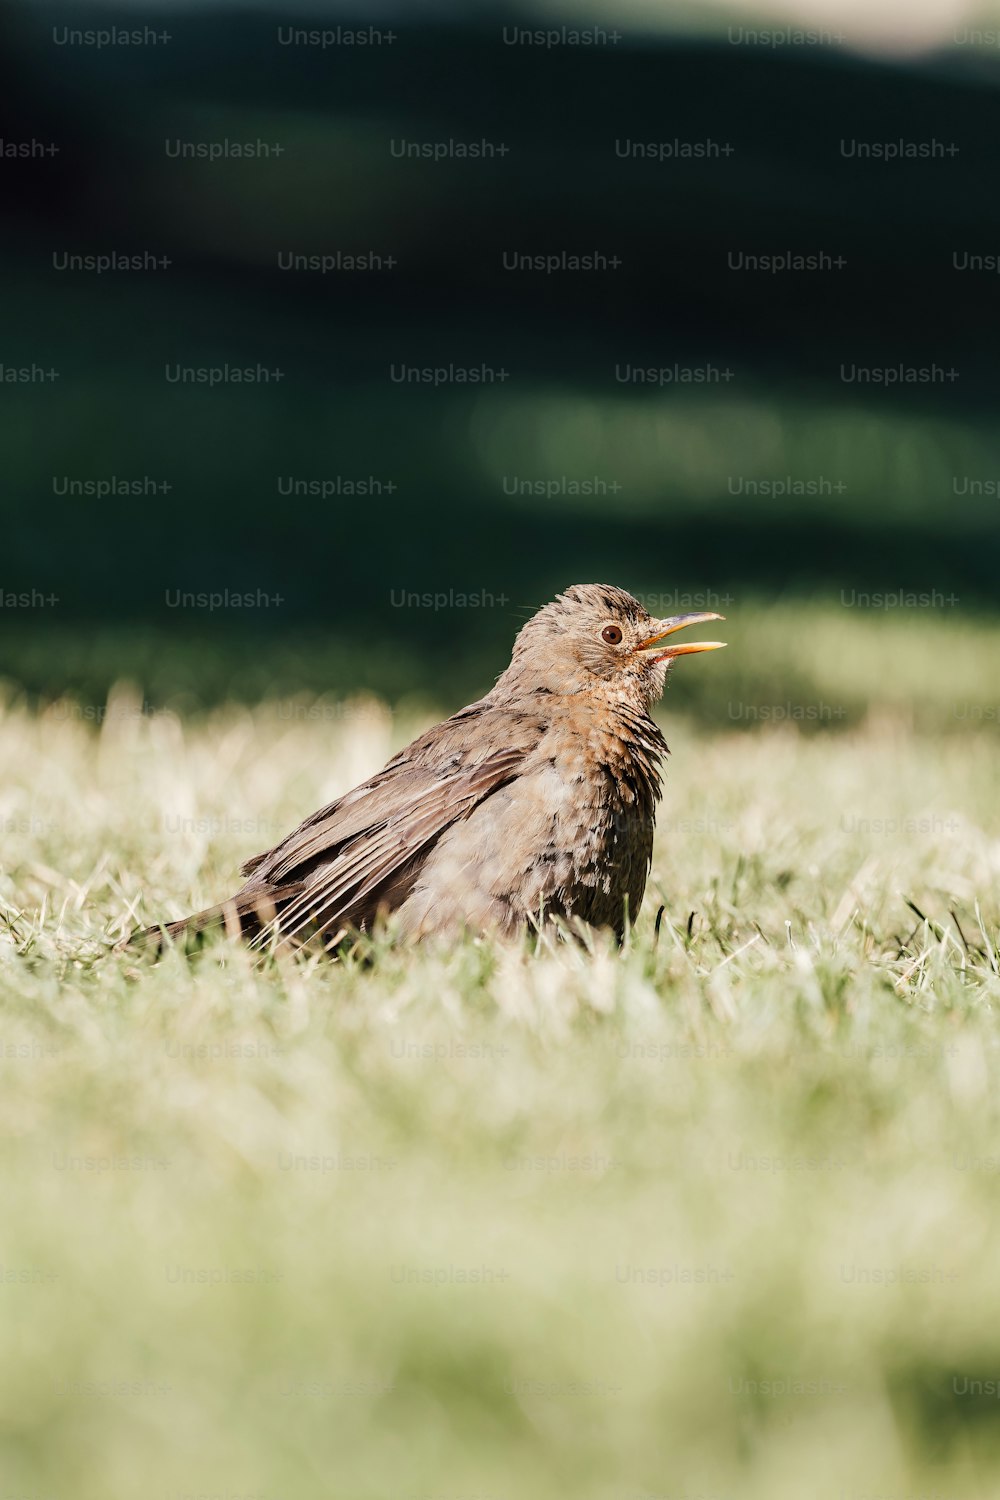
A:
(756, 465)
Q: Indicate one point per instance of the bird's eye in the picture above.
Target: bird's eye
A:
(612, 634)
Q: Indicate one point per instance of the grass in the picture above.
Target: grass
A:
(711, 1216)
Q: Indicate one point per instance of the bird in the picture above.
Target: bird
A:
(535, 803)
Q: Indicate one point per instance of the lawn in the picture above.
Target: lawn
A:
(712, 1216)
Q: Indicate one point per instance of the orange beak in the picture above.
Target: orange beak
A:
(679, 622)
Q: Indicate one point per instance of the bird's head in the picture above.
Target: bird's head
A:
(595, 638)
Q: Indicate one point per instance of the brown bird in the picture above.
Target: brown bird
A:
(537, 801)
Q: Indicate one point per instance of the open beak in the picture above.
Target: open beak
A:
(679, 622)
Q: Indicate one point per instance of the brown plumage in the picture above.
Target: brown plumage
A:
(536, 801)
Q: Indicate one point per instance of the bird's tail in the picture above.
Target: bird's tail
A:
(243, 916)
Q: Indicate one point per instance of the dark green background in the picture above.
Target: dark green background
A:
(338, 563)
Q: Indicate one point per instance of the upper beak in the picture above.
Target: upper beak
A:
(679, 622)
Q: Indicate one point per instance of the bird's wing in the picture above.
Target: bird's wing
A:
(342, 857)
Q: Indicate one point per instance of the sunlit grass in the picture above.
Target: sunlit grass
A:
(670, 449)
(499, 1221)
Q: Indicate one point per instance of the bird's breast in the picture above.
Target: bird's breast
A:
(570, 835)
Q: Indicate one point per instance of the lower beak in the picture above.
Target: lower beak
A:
(679, 622)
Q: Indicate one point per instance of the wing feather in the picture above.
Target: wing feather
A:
(339, 860)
